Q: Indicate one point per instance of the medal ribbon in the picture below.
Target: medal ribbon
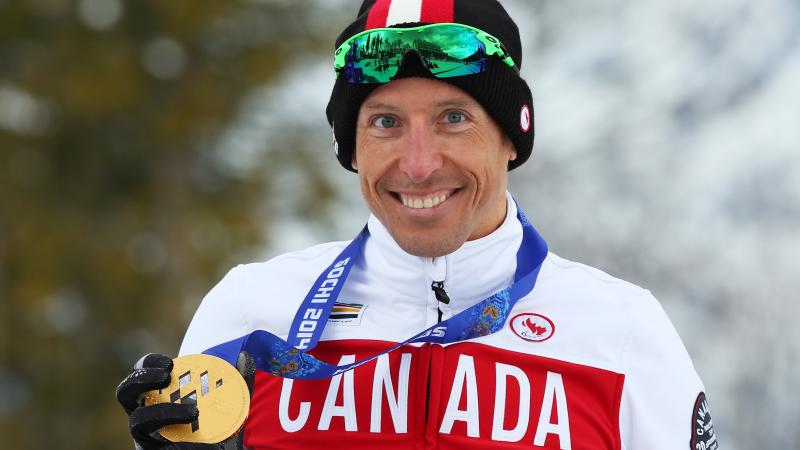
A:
(289, 358)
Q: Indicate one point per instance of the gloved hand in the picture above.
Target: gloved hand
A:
(152, 372)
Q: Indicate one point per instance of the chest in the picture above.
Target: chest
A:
(465, 395)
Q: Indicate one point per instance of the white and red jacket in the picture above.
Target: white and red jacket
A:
(586, 362)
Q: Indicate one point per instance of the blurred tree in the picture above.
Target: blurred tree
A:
(115, 214)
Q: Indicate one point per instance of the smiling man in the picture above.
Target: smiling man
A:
(432, 165)
(446, 323)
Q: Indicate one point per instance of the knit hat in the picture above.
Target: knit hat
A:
(499, 89)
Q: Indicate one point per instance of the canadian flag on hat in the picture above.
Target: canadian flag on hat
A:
(385, 13)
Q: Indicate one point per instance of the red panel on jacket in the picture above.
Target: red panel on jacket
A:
(476, 400)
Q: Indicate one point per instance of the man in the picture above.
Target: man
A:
(449, 325)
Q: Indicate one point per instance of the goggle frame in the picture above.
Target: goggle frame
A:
(491, 45)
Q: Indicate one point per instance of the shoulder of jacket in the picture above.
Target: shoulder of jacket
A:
(297, 265)
(319, 252)
(258, 296)
(283, 280)
(562, 271)
(600, 311)
(644, 328)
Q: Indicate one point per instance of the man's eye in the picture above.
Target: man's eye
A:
(455, 117)
(384, 122)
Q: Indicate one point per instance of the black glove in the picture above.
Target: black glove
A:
(152, 372)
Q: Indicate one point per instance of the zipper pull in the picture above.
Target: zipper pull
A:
(436, 269)
(441, 294)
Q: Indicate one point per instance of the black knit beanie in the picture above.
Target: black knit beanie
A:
(499, 89)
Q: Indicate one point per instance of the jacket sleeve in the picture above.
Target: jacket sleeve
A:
(220, 317)
(663, 405)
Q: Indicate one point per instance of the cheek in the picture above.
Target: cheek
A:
(361, 155)
(372, 165)
(486, 138)
(365, 186)
(485, 152)
(375, 155)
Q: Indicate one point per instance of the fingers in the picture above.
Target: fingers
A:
(154, 360)
(146, 421)
(235, 442)
(247, 367)
(150, 373)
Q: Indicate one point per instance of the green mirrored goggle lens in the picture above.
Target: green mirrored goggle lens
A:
(447, 50)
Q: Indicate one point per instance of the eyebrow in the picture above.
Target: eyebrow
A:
(459, 103)
(380, 105)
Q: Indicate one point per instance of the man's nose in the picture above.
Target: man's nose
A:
(421, 157)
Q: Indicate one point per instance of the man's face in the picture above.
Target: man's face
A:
(432, 165)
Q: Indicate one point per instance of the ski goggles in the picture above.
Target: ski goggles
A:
(446, 50)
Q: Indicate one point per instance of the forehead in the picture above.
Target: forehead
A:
(409, 93)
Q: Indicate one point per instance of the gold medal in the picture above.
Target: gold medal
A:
(219, 391)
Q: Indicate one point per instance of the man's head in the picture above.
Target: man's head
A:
(432, 165)
(416, 132)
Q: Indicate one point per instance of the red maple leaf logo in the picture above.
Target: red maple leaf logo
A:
(537, 330)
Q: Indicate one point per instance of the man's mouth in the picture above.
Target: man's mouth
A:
(423, 201)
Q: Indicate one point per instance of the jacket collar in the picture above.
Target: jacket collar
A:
(475, 271)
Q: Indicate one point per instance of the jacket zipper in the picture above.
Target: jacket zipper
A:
(441, 296)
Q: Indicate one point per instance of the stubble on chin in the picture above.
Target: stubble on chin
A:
(427, 246)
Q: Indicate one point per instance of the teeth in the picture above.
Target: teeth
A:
(425, 202)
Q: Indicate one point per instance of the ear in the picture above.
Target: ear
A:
(512, 151)
(354, 163)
